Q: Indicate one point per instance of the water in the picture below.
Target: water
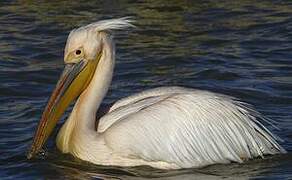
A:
(240, 48)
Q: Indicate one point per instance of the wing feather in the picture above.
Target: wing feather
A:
(190, 128)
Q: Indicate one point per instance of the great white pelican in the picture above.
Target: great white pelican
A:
(166, 128)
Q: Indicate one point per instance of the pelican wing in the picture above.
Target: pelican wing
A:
(134, 103)
(161, 91)
(186, 127)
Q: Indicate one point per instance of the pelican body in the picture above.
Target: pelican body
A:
(166, 128)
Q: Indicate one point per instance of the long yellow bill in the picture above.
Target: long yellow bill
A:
(74, 79)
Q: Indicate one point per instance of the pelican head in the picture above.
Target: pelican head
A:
(83, 51)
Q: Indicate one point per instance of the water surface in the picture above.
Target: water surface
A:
(240, 48)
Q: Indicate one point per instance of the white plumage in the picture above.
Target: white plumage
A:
(192, 128)
(167, 128)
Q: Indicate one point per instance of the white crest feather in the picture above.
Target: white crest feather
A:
(87, 35)
(111, 24)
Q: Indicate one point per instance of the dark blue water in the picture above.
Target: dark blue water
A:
(240, 48)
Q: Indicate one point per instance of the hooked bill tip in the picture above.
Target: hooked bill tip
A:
(38, 154)
(28, 155)
(31, 153)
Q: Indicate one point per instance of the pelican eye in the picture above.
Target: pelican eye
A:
(78, 52)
